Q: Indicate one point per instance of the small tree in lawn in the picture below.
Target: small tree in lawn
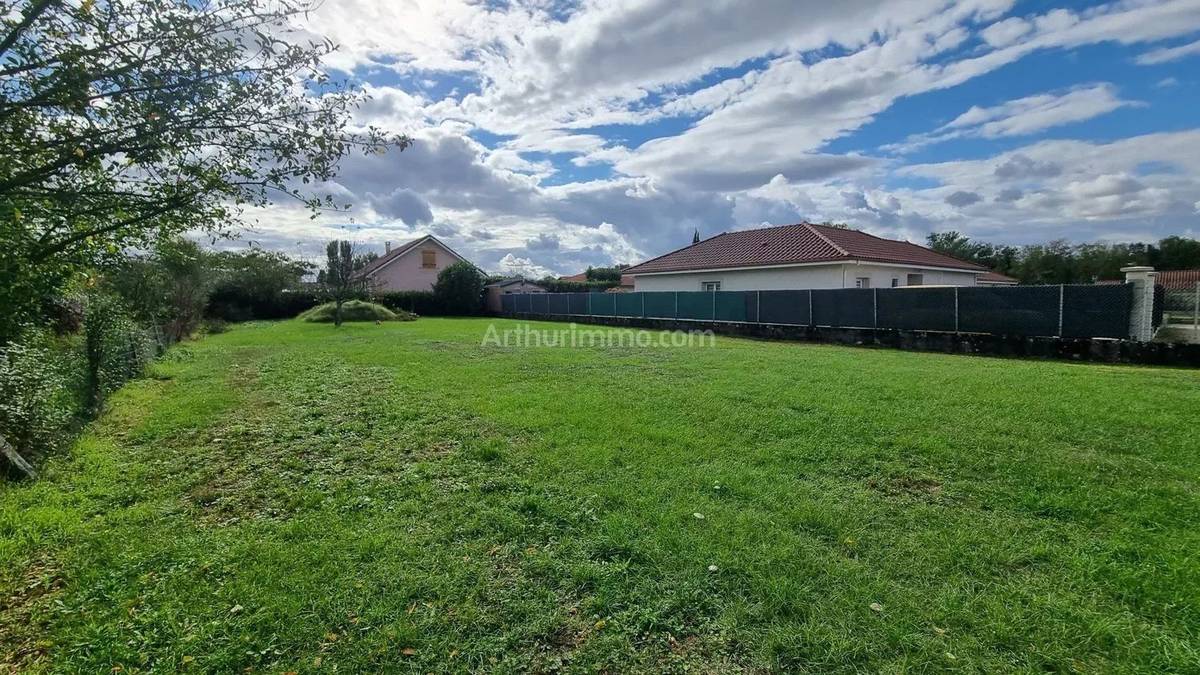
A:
(339, 279)
(459, 288)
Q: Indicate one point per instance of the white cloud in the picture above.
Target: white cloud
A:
(1024, 116)
(1165, 54)
(753, 147)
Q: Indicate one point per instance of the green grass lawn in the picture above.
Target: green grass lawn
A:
(291, 497)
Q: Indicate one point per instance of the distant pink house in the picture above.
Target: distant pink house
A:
(412, 266)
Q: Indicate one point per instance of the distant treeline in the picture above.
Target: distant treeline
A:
(1061, 262)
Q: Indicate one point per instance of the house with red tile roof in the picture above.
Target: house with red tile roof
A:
(797, 257)
(995, 279)
(412, 266)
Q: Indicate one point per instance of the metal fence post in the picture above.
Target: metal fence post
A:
(589, 297)
(676, 305)
(811, 320)
(956, 309)
(643, 305)
(713, 316)
(1061, 293)
(875, 308)
(758, 303)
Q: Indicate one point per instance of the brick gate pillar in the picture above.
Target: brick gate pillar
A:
(1141, 312)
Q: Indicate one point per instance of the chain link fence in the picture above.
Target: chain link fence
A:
(1178, 312)
(1076, 311)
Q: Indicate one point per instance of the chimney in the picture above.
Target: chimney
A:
(387, 247)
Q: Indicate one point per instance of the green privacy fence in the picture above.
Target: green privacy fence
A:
(1081, 311)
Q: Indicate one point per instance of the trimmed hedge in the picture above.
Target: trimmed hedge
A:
(421, 303)
(232, 304)
(355, 310)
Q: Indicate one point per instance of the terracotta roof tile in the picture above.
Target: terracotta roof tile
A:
(1178, 278)
(791, 244)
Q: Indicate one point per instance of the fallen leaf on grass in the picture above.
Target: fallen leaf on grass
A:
(876, 607)
(408, 651)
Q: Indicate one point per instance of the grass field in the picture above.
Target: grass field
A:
(291, 497)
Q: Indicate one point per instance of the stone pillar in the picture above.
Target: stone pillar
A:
(1141, 313)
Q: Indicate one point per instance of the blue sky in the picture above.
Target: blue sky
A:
(550, 137)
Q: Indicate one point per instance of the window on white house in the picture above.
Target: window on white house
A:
(895, 282)
(428, 258)
(862, 282)
(915, 280)
(710, 286)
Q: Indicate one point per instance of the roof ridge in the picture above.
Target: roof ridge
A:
(695, 243)
(812, 228)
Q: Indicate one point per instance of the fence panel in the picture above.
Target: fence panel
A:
(603, 304)
(523, 302)
(916, 308)
(539, 303)
(736, 306)
(508, 303)
(559, 303)
(577, 303)
(789, 307)
(1097, 311)
(844, 307)
(628, 304)
(660, 305)
(695, 305)
(1017, 310)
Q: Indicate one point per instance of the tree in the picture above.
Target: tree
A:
(340, 281)
(609, 275)
(126, 121)
(167, 288)
(459, 288)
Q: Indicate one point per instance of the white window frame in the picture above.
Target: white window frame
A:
(920, 279)
(895, 282)
(862, 282)
(710, 286)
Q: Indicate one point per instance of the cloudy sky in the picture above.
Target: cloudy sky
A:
(555, 135)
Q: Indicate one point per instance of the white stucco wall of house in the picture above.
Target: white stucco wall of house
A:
(835, 275)
(406, 273)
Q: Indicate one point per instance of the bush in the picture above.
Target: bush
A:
(421, 303)
(355, 310)
(42, 391)
(459, 288)
(117, 347)
(233, 303)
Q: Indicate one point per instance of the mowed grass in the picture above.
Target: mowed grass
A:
(399, 497)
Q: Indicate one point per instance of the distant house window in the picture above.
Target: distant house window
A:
(710, 286)
(915, 280)
(862, 282)
(428, 258)
(895, 282)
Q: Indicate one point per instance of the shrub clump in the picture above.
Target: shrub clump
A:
(355, 310)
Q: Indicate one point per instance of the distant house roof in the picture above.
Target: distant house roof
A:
(515, 280)
(994, 278)
(796, 244)
(385, 259)
(626, 279)
(1178, 278)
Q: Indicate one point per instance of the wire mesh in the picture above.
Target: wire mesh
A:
(1069, 311)
(660, 305)
(735, 306)
(1020, 310)
(695, 305)
(559, 303)
(628, 304)
(844, 307)
(786, 307)
(603, 304)
(1096, 311)
(916, 308)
